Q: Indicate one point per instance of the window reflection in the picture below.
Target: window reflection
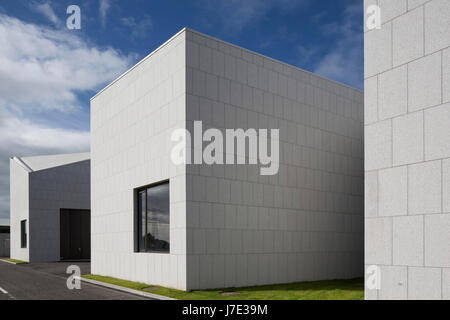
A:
(154, 218)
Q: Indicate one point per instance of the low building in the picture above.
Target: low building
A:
(50, 207)
(198, 225)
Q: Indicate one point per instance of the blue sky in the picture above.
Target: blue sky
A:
(48, 73)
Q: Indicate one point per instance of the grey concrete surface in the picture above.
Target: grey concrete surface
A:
(229, 225)
(128, 290)
(47, 281)
(407, 150)
(41, 186)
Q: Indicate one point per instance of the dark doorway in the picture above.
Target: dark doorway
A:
(75, 234)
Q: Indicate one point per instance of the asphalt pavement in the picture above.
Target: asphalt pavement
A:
(48, 281)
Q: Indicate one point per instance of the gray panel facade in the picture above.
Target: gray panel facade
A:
(304, 223)
(407, 150)
(38, 196)
(131, 125)
(229, 225)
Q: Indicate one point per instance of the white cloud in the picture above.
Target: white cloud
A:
(42, 70)
(344, 62)
(139, 29)
(237, 14)
(46, 9)
(306, 54)
(104, 6)
(17, 133)
(22, 137)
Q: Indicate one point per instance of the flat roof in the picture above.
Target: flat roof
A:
(37, 163)
(228, 43)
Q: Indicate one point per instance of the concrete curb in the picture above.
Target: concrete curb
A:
(128, 290)
(10, 262)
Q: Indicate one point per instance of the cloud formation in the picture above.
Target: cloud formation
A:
(237, 14)
(344, 61)
(23, 137)
(42, 71)
(139, 28)
(44, 68)
(104, 6)
(47, 10)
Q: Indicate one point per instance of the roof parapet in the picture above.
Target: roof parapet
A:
(22, 164)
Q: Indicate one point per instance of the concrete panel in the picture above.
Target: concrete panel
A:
(408, 139)
(393, 93)
(415, 141)
(424, 82)
(437, 25)
(446, 284)
(437, 240)
(393, 283)
(437, 132)
(446, 185)
(408, 241)
(425, 188)
(446, 75)
(378, 50)
(391, 9)
(408, 43)
(371, 100)
(415, 3)
(371, 194)
(424, 283)
(378, 145)
(378, 241)
(392, 192)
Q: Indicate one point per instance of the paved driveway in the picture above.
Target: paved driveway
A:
(47, 281)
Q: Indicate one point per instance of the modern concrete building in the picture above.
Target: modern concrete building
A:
(407, 149)
(50, 202)
(191, 226)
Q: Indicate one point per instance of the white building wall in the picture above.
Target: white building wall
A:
(37, 196)
(131, 124)
(19, 205)
(62, 187)
(407, 160)
(306, 222)
(229, 225)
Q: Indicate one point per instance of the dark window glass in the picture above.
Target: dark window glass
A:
(142, 224)
(153, 215)
(23, 233)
